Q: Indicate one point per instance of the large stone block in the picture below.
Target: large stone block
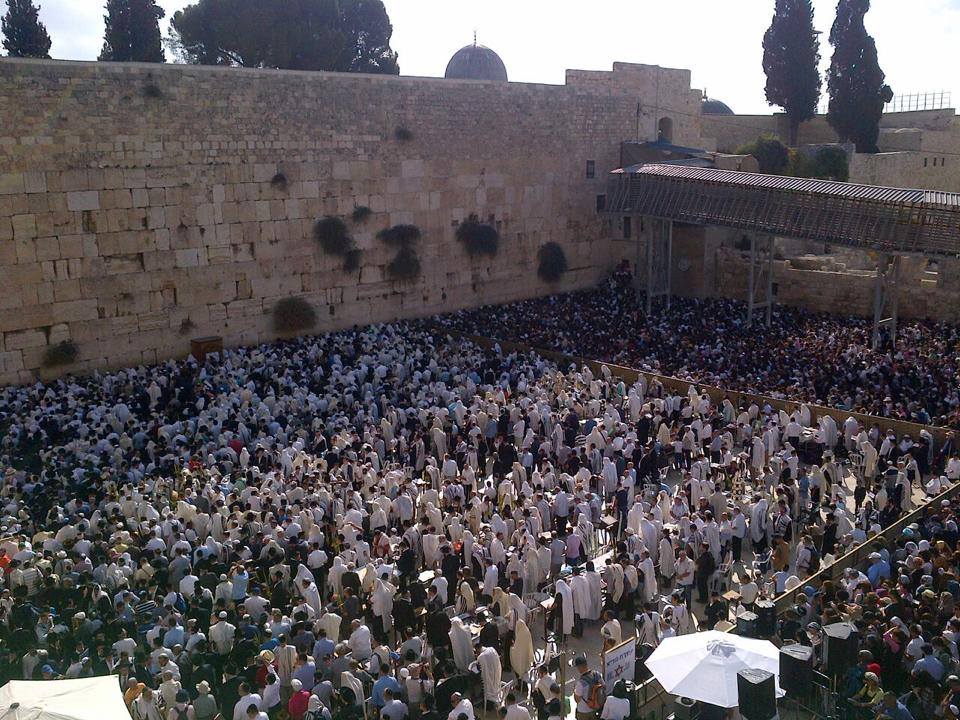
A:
(83, 200)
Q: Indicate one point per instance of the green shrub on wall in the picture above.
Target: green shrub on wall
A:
(63, 353)
(361, 213)
(292, 315)
(553, 262)
(477, 237)
(406, 264)
(331, 233)
(403, 134)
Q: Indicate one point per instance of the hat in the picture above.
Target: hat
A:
(222, 615)
(267, 656)
(871, 676)
(296, 685)
(874, 556)
(203, 687)
(183, 696)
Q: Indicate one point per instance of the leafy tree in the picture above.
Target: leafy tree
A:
(771, 154)
(23, 33)
(791, 59)
(832, 163)
(855, 80)
(340, 35)
(133, 31)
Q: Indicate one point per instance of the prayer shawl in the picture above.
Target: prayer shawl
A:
(462, 645)
(521, 652)
(491, 672)
(566, 607)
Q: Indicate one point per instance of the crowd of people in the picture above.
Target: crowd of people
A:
(376, 520)
(806, 356)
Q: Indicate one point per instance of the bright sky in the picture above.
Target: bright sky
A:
(719, 40)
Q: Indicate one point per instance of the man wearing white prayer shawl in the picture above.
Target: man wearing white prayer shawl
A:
(595, 606)
(308, 591)
(381, 603)
(649, 587)
(581, 598)
(491, 672)
(521, 651)
(635, 515)
(462, 645)
(758, 523)
(565, 612)
(650, 531)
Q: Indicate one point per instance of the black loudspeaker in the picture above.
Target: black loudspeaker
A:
(841, 642)
(757, 693)
(747, 625)
(766, 618)
(796, 670)
(684, 708)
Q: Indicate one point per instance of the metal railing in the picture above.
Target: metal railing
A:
(908, 102)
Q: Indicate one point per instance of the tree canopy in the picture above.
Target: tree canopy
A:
(791, 59)
(339, 35)
(23, 33)
(133, 31)
(771, 154)
(855, 80)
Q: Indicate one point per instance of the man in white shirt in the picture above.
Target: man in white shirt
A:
(360, 641)
(514, 711)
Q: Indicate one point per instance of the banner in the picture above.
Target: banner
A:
(619, 663)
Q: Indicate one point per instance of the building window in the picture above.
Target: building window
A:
(601, 203)
(665, 130)
(591, 169)
(627, 228)
(925, 162)
(934, 162)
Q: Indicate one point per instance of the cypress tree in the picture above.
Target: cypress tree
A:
(133, 31)
(855, 80)
(23, 33)
(791, 59)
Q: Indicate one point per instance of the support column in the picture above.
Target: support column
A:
(659, 260)
(886, 298)
(756, 278)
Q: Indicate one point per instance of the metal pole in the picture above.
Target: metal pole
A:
(878, 303)
(895, 301)
(651, 237)
(669, 262)
(753, 255)
(769, 313)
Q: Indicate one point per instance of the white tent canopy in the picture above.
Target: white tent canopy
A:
(97, 698)
(703, 666)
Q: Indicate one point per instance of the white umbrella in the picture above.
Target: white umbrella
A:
(703, 666)
(96, 698)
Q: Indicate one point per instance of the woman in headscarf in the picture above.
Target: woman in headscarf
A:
(521, 651)
(462, 645)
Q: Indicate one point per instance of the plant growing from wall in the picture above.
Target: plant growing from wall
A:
(187, 326)
(477, 237)
(292, 315)
(406, 263)
(403, 134)
(361, 213)
(63, 353)
(553, 262)
(152, 90)
(333, 236)
(279, 182)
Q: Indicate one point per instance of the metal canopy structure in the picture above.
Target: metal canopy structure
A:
(890, 221)
(887, 220)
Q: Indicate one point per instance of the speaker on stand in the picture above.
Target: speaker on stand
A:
(796, 671)
(756, 690)
(841, 642)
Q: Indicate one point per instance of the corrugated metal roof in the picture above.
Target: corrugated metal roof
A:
(892, 220)
(820, 187)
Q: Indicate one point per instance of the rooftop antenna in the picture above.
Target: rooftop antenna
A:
(474, 38)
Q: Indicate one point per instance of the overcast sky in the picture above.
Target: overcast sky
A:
(719, 40)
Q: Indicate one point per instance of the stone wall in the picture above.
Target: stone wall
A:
(140, 205)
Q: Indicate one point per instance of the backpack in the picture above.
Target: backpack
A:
(597, 694)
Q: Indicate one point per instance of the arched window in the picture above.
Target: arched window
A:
(665, 130)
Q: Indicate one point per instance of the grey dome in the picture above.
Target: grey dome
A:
(709, 106)
(476, 62)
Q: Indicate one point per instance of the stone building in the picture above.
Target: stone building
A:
(144, 205)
